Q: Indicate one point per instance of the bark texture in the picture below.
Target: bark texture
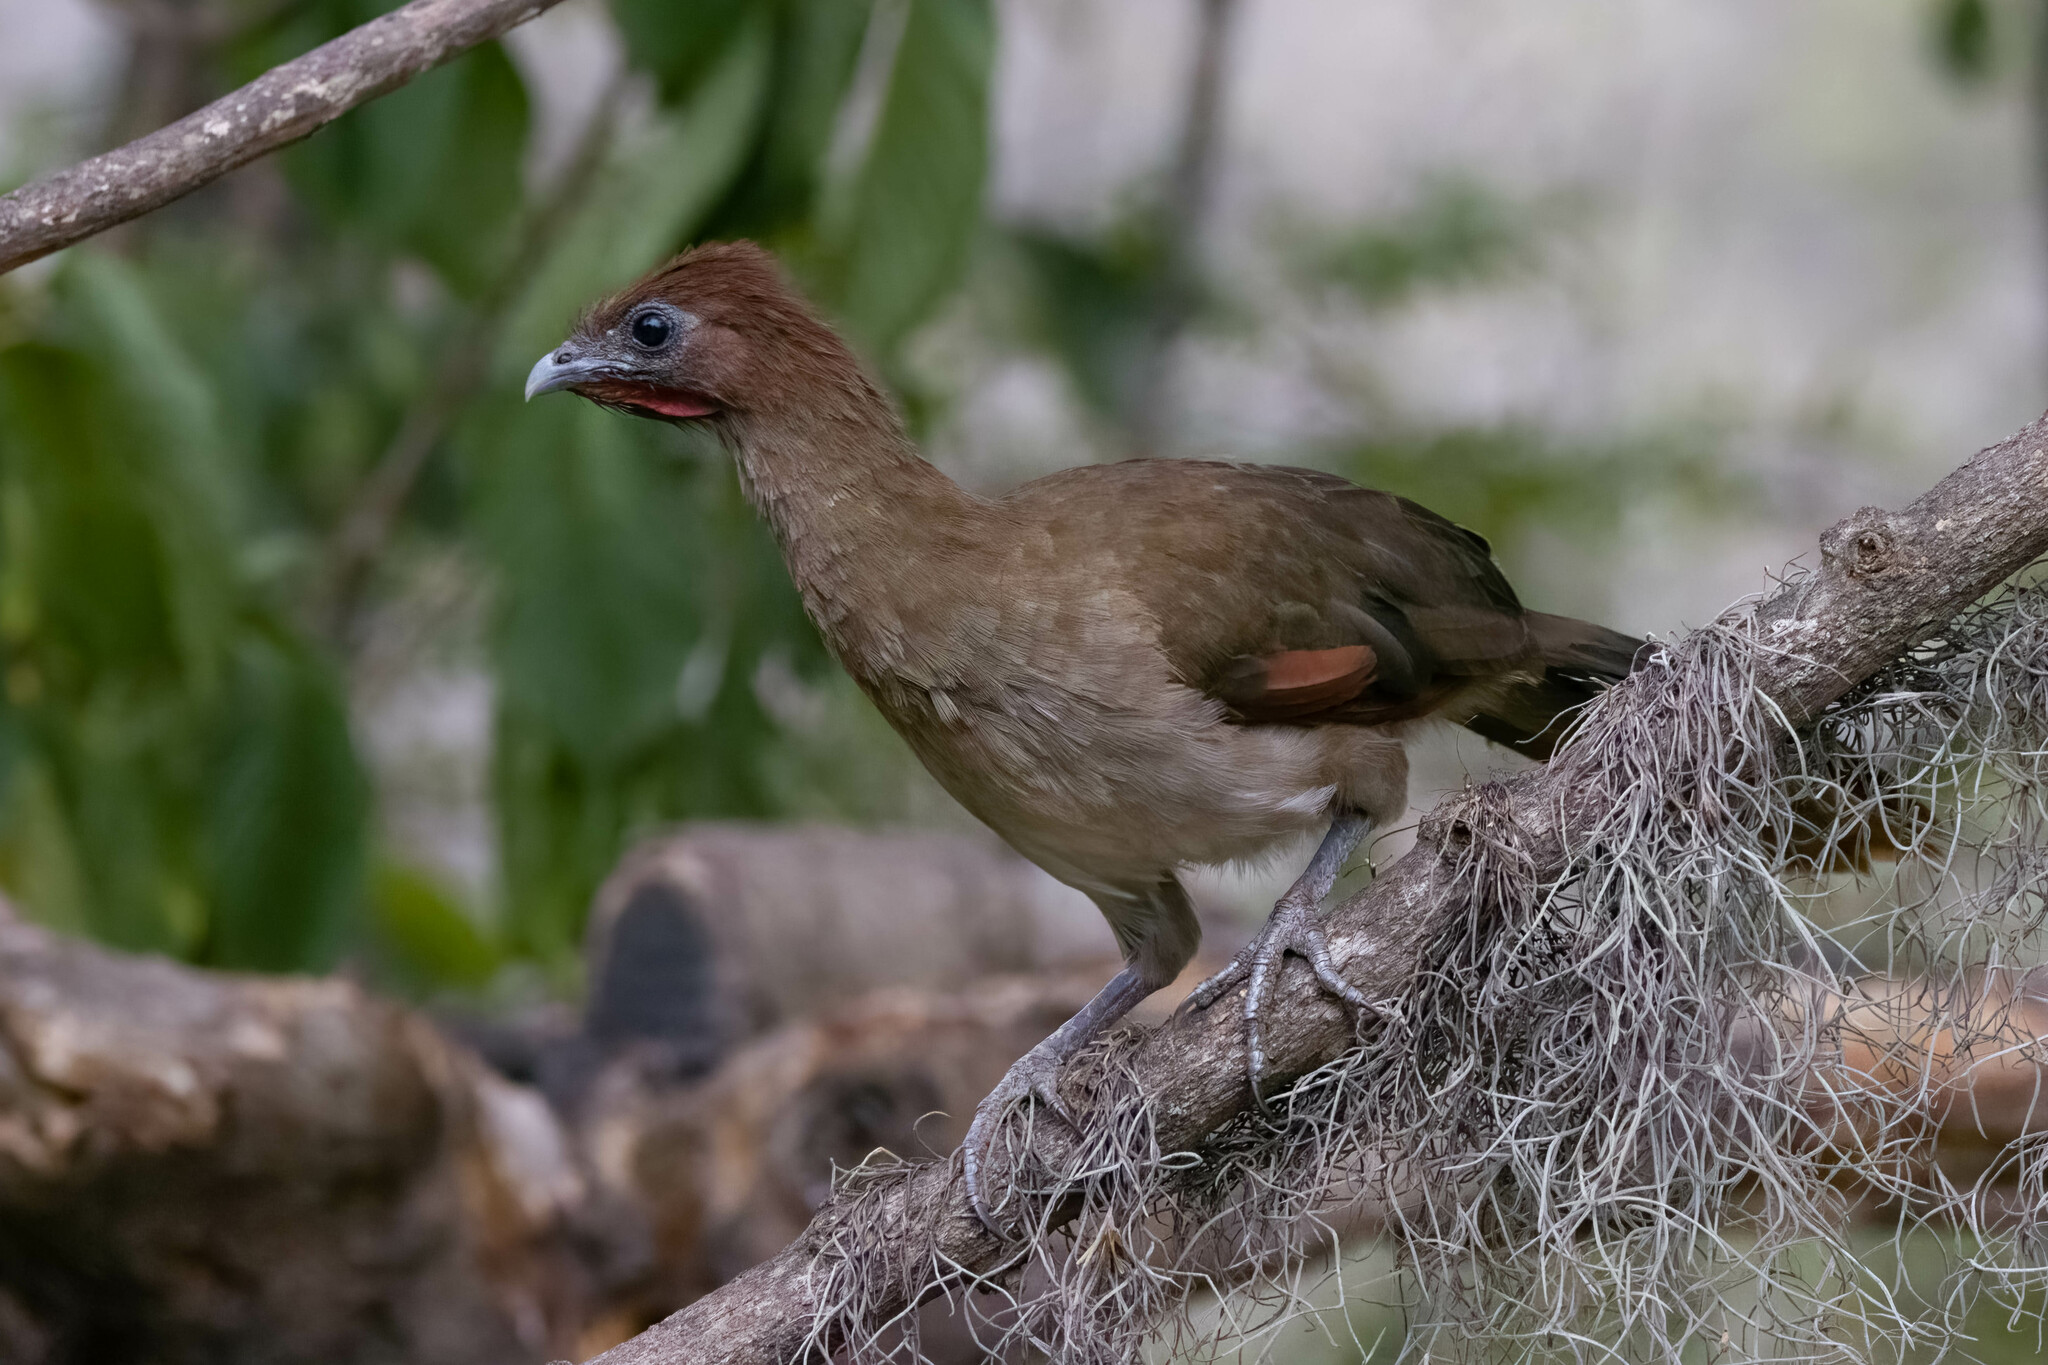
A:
(204, 1167)
(279, 107)
(201, 1167)
(728, 1170)
(1884, 582)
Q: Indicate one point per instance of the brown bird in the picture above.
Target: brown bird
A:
(1122, 669)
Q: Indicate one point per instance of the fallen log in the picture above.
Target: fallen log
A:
(710, 935)
(204, 1167)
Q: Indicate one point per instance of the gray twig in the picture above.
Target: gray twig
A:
(284, 104)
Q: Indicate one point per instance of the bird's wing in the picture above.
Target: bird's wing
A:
(1290, 595)
(1295, 684)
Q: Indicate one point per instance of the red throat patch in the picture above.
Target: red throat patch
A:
(674, 404)
(645, 398)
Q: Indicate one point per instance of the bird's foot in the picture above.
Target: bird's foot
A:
(1031, 1077)
(1293, 927)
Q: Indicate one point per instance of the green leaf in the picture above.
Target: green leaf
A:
(105, 785)
(169, 444)
(1094, 305)
(118, 322)
(561, 826)
(424, 935)
(817, 45)
(598, 609)
(184, 777)
(680, 44)
(432, 169)
(286, 811)
(86, 558)
(117, 609)
(646, 205)
(39, 858)
(1963, 40)
(1457, 234)
(895, 235)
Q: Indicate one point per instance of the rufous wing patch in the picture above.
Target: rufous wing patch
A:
(1295, 683)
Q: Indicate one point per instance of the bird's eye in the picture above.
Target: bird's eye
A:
(651, 330)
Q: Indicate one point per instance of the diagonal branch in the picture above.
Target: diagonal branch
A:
(1886, 580)
(278, 108)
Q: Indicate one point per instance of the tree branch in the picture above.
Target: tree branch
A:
(1181, 219)
(276, 109)
(1885, 582)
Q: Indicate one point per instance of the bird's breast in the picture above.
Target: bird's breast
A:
(1103, 791)
(1050, 712)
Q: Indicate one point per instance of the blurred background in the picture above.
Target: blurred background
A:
(322, 653)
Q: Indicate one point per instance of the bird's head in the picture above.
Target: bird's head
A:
(713, 333)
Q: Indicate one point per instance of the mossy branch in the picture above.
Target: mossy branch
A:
(1886, 582)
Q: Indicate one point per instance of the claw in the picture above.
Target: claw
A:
(1035, 1074)
(1031, 1078)
(1292, 928)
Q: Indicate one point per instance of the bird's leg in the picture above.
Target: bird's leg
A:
(1033, 1076)
(1292, 928)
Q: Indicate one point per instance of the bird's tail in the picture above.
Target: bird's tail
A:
(1530, 713)
(1836, 831)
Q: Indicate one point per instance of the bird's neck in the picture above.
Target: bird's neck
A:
(862, 520)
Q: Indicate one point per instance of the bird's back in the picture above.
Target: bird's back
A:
(1237, 563)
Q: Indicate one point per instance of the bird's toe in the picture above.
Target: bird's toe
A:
(1031, 1079)
(1215, 987)
(1294, 928)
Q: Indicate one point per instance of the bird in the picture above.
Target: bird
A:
(1124, 669)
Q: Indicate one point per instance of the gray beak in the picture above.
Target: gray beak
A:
(560, 368)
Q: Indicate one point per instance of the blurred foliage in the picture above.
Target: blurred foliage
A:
(1983, 44)
(431, 171)
(1960, 33)
(177, 761)
(1506, 480)
(1091, 302)
(869, 139)
(190, 414)
(423, 939)
(1458, 233)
